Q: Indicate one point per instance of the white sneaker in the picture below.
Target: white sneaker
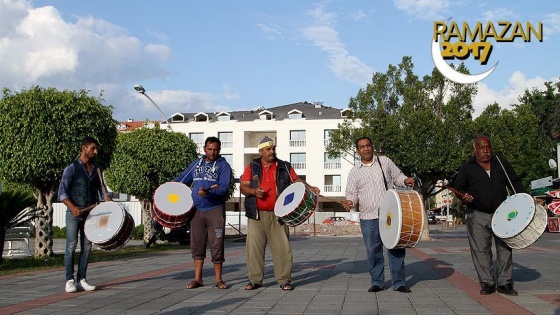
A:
(83, 284)
(70, 286)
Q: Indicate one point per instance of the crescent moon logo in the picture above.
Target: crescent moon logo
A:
(451, 73)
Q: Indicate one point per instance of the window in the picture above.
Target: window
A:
(331, 163)
(297, 138)
(333, 184)
(295, 114)
(178, 118)
(198, 139)
(223, 116)
(265, 115)
(201, 117)
(228, 157)
(327, 136)
(226, 138)
(298, 160)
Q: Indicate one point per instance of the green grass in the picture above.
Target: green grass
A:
(18, 265)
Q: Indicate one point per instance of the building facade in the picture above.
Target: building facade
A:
(300, 131)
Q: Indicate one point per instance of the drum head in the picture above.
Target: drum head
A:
(390, 216)
(513, 215)
(289, 199)
(173, 198)
(104, 222)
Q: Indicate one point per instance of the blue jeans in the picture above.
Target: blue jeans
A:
(75, 225)
(376, 261)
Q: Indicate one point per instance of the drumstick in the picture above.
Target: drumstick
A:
(256, 178)
(455, 191)
(102, 186)
(88, 208)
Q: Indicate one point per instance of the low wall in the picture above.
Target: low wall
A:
(232, 217)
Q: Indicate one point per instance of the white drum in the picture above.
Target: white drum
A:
(172, 203)
(401, 218)
(109, 226)
(519, 221)
(295, 204)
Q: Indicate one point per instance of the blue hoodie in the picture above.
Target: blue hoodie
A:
(204, 175)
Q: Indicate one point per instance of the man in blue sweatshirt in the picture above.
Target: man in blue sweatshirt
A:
(209, 178)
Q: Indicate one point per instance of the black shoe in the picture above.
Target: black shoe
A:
(404, 289)
(375, 288)
(507, 290)
(487, 289)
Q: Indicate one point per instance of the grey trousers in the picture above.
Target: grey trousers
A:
(479, 227)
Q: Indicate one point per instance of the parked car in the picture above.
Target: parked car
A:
(432, 218)
(338, 220)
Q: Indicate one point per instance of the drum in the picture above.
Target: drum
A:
(109, 226)
(401, 218)
(172, 203)
(519, 221)
(295, 204)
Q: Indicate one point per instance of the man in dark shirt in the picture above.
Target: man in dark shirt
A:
(485, 179)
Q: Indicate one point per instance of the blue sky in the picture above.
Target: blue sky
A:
(196, 56)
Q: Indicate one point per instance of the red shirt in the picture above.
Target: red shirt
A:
(268, 184)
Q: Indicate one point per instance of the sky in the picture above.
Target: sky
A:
(213, 56)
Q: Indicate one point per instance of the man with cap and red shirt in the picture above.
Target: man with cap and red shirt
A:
(262, 182)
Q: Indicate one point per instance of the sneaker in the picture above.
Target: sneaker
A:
(507, 289)
(83, 284)
(70, 286)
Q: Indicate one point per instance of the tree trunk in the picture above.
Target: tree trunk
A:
(147, 208)
(43, 225)
(426, 228)
(2, 238)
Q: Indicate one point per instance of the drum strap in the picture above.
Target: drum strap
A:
(382, 173)
(509, 180)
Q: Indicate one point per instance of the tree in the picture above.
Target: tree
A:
(143, 160)
(420, 123)
(42, 129)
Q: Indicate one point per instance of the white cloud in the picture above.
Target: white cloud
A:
(424, 9)
(499, 14)
(507, 96)
(270, 31)
(229, 93)
(323, 35)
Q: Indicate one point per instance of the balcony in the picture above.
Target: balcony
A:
(326, 142)
(297, 143)
(332, 165)
(227, 144)
(299, 165)
(333, 188)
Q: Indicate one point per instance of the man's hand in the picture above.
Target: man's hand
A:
(347, 205)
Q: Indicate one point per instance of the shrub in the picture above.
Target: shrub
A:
(138, 233)
(59, 232)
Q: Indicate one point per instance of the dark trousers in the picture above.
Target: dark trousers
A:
(208, 226)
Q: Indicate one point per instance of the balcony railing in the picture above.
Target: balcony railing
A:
(299, 165)
(227, 144)
(297, 143)
(326, 142)
(332, 165)
(333, 188)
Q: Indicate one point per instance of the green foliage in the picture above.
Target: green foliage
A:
(42, 129)
(59, 232)
(146, 158)
(138, 233)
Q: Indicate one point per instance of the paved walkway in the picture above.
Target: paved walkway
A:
(330, 277)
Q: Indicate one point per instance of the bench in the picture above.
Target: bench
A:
(19, 234)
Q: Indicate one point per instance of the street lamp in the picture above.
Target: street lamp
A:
(142, 91)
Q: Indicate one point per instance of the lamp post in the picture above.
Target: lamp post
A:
(142, 91)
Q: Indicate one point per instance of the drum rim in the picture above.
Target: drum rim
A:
(399, 211)
(188, 195)
(495, 220)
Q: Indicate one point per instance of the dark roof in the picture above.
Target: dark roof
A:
(308, 111)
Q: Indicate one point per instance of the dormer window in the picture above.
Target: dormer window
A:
(201, 117)
(345, 113)
(265, 115)
(178, 118)
(295, 114)
(224, 116)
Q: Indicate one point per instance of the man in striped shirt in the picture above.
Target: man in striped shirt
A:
(367, 183)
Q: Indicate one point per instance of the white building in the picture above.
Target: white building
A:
(300, 131)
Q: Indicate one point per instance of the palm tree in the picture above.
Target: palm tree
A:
(15, 210)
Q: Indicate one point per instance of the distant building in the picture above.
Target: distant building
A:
(129, 125)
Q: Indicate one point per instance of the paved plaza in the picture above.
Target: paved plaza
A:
(330, 277)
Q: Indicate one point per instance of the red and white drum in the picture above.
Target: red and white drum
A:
(401, 218)
(109, 226)
(172, 203)
(519, 221)
(295, 204)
